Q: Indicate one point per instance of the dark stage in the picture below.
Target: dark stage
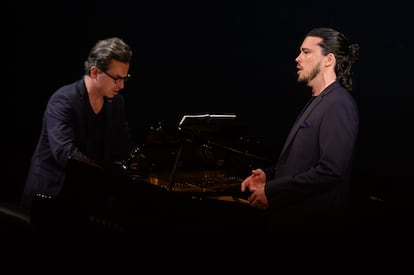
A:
(222, 57)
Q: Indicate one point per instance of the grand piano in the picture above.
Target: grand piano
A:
(180, 180)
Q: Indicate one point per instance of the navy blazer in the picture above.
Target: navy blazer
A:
(63, 135)
(312, 175)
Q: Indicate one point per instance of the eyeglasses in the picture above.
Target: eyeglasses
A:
(117, 79)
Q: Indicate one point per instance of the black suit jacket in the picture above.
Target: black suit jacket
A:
(312, 175)
(63, 135)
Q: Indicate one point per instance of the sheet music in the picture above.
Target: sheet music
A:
(192, 119)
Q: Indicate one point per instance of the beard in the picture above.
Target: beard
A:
(305, 79)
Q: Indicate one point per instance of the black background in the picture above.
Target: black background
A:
(219, 56)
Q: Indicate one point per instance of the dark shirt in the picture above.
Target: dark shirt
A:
(95, 133)
(70, 129)
(312, 175)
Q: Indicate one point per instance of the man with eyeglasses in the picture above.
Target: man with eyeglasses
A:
(84, 119)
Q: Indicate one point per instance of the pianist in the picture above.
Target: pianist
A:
(85, 119)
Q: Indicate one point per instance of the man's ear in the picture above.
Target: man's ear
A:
(93, 72)
(330, 60)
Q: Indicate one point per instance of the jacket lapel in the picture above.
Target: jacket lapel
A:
(302, 117)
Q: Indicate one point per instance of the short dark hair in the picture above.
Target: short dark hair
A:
(105, 51)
